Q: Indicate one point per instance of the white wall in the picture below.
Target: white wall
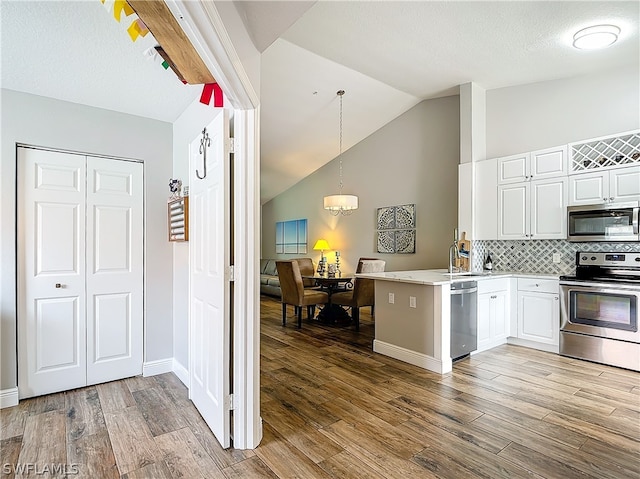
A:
(186, 128)
(541, 115)
(413, 159)
(52, 123)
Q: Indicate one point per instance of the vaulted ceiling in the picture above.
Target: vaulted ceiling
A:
(386, 55)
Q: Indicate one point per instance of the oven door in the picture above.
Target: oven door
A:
(600, 309)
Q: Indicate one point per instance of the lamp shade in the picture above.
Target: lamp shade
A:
(341, 202)
(321, 245)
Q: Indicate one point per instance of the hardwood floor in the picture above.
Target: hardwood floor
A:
(334, 409)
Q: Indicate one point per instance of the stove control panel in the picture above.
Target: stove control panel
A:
(629, 260)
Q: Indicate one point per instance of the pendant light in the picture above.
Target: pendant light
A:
(340, 204)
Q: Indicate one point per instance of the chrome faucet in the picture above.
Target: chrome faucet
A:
(454, 253)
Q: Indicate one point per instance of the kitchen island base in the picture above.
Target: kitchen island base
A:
(412, 324)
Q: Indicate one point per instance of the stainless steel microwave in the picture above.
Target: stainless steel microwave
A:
(604, 222)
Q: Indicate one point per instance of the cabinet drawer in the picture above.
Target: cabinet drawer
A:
(539, 285)
(491, 285)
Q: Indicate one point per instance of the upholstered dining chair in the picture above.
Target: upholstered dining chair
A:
(294, 292)
(363, 292)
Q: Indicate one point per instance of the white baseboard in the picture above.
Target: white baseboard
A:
(550, 348)
(412, 357)
(161, 366)
(181, 372)
(8, 397)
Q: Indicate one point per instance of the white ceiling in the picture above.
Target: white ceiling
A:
(387, 56)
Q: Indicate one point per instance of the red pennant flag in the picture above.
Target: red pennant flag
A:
(207, 91)
(214, 89)
(218, 100)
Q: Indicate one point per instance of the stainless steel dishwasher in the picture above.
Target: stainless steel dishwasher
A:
(464, 318)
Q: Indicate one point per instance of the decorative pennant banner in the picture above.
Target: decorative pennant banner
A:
(119, 6)
(137, 29)
(214, 89)
(218, 99)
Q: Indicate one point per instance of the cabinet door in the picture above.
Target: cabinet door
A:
(512, 169)
(513, 211)
(624, 184)
(539, 317)
(548, 163)
(493, 317)
(500, 303)
(485, 217)
(484, 320)
(548, 209)
(589, 188)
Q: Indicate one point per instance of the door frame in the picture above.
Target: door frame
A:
(204, 27)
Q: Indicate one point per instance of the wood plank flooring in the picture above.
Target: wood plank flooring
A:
(334, 409)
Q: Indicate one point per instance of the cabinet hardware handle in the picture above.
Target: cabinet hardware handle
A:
(58, 285)
(537, 285)
(611, 198)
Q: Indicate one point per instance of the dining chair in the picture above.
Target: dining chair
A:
(363, 292)
(294, 292)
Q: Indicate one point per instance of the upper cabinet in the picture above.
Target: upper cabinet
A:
(533, 210)
(605, 169)
(540, 164)
(617, 185)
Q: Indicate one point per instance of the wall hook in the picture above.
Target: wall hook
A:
(205, 142)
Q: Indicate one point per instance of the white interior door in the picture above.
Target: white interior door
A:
(209, 251)
(51, 265)
(80, 250)
(114, 269)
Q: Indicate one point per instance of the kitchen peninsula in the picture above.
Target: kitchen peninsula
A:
(413, 313)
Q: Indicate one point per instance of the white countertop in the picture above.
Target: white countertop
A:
(441, 276)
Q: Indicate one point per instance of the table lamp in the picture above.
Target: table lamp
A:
(321, 245)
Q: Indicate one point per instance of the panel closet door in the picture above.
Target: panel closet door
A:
(114, 269)
(80, 268)
(51, 266)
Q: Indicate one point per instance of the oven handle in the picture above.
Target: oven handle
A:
(601, 287)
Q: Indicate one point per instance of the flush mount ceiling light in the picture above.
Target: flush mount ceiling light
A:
(597, 36)
(340, 204)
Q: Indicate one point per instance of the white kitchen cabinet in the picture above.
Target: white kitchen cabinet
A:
(533, 210)
(538, 314)
(617, 185)
(540, 164)
(485, 205)
(624, 184)
(493, 313)
(514, 168)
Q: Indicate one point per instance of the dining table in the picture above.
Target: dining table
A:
(330, 313)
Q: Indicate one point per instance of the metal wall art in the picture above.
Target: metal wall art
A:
(205, 142)
(396, 229)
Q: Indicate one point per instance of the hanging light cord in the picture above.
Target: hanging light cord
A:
(340, 93)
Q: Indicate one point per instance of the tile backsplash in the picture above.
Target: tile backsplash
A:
(536, 256)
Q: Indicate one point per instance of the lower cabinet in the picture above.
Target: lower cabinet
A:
(493, 313)
(538, 314)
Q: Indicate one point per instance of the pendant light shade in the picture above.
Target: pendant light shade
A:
(340, 204)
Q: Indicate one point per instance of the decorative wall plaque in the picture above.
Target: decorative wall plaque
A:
(396, 229)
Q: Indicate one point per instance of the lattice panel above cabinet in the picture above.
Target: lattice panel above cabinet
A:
(606, 152)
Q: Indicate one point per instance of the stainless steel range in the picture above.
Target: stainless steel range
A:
(599, 315)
